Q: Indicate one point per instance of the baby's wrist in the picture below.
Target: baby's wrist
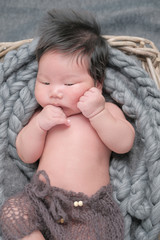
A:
(38, 125)
(96, 114)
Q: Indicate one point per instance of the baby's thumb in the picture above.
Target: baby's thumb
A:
(67, 122)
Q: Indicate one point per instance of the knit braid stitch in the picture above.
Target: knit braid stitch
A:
(135, 175)
(142, 104)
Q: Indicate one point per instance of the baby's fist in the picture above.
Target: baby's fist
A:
(91, 103)
(51, 116)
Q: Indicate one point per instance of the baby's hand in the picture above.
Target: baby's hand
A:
(51, 116)
(91, 103)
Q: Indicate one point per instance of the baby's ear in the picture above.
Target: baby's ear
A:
(98, 85)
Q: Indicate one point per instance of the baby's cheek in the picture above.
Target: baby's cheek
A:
(76, 97)
(76, 94)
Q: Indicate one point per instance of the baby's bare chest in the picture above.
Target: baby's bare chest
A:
(79, 135)
(79, 139)
(75, 155)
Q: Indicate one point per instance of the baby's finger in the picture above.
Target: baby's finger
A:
(63, 120)
(94, 89)
(68, 122)
(80, 105)
(82, 99)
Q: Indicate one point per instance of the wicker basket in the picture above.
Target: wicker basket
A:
(144, 49)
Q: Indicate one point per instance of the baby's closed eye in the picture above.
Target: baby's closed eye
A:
(69, 84)
(46, 83)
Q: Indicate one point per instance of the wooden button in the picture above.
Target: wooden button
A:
(78, 203)
(61, 221)
(75, 204)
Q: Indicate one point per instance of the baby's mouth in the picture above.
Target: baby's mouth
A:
(59, 106)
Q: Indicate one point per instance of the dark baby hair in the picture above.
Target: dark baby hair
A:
(74, 33)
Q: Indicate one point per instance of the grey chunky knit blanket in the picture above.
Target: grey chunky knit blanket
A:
(135, 176)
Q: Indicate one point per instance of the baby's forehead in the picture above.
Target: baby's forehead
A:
(60, 64)
(78, 56)
(65, 59)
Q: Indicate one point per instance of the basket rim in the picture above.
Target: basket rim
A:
(144, 49)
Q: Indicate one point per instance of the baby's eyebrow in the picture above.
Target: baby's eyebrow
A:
(42, 77)
(72, 75)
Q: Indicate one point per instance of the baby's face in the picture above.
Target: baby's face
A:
(61, 81)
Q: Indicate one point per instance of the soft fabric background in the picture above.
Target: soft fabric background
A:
(19, 18)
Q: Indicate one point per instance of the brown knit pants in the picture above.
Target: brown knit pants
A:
(60, 214)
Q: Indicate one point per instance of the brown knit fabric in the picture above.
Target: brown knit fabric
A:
(60, 214)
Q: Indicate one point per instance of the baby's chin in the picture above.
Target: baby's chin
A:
(71, 112)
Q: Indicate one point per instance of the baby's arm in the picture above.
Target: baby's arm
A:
(108, 121)
(31, 139)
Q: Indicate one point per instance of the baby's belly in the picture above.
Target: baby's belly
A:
(75, 158)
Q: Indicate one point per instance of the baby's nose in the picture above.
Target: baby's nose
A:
(56, 93)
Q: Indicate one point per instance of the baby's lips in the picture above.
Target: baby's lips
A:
(57, 105)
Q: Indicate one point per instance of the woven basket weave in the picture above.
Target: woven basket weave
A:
(144, 49)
